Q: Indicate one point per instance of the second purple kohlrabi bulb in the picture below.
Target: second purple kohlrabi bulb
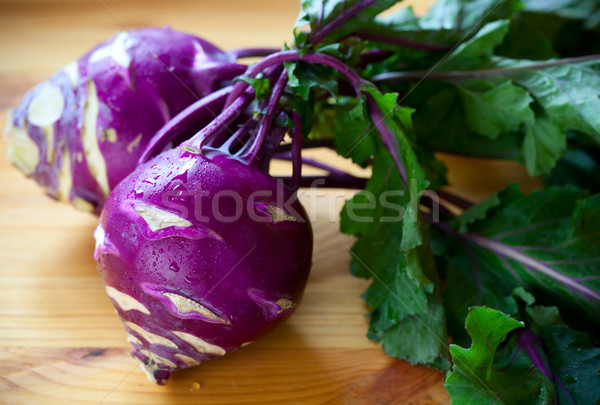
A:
(82, 131)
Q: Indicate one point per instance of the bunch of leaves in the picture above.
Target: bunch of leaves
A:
(505, 79)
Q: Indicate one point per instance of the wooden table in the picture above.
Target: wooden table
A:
(60, 339)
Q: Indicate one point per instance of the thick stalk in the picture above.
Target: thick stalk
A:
(477, 74)
(219, 122)
(389, 140)
(420, 46)
(532, 344)
(314, 163)
(316, 143)
(251, 52)
(331, 181)
(296, 152)
(254, 154)
(455, 199)
(205, 107)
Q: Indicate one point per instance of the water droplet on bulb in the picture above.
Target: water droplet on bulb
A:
(174, 267)
(191, 280)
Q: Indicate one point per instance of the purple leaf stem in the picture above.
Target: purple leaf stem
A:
(254, 152)
(455, 199)
(330, 181)
(421, 46)
(251, 52)
(318, 36)
(314, 163)
(534, 347)
(208, 105)
(373, 56)
(296, 150)
(387, 137)
(316, 143)
(219, 122)
(531, 263)
(476, 271)
(531, 343)
(235, 140)
(432, 202)
(292, 55)
(508, 252)
(478, 74)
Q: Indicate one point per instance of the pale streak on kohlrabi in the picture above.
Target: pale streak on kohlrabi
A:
(65, 179)
(190, 362)
(125, 301)
(23, 152)
(158, 218)
(46, 107)
(279, 215)
(109, 135)
(133, 339)
(186, 305)
(284, 304)
(72, 70)
(48, 131)
(117, 49)
(133, 144)
(89, 138)
(152, 338)
(103, 244)
(82, 205)
(158, 359)
(200, 345)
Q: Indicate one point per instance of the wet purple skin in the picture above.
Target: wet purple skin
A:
(166, 71)
(250, 272)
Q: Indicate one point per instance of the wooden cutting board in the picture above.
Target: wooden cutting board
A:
(60, 339)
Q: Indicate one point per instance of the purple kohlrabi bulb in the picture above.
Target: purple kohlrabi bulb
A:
(201, 256)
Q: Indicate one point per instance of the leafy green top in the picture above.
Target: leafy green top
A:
(505, 79)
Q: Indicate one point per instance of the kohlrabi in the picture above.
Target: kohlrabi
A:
(201, 251)
(82, 131)
(201, 255)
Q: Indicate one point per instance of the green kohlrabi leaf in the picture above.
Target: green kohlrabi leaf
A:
(494, 369)
(468, 16)
(398, 120)
(482, 210)
(546, 242)
(579, 166)
(526, 113)
(389, 249)
(345, 120)
(477, 51)
(545, 142)
(332, 20)
(571, 9)
(491, 111)
(261, 85)
(569, 93)
(419, 339)
(576, 364)
(553, 29)
(304, 78)
(440, 124)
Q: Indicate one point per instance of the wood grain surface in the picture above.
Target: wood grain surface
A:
(60, 339)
